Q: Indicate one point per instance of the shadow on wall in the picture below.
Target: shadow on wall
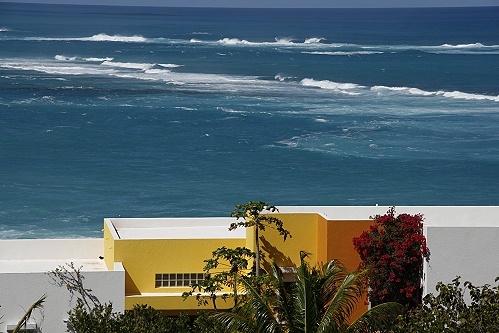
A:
(273, 254)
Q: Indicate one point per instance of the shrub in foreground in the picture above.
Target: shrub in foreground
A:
(456, 308)
(142, 319)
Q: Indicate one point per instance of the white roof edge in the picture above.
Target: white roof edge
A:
(111, 227)
(118, 266)
(433, 215)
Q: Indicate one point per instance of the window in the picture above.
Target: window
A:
(178, 279)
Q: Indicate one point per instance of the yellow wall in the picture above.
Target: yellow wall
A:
(144, 258)
(108, 248)
(303, 229)
(175, 304)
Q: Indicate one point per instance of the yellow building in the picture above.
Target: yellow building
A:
(163, 256)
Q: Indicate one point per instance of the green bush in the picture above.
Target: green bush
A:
(470, 309)
(142, 319)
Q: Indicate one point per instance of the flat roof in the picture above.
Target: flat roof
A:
(43, 266)
(434, 216)
(175, 228)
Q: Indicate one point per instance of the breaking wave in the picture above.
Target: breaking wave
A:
(315, 45)
(130, 65)
(115, 38)
(170, 65)
(344, 88)
(313, 40)
(237, 41)
(344, 53)
(102, 37)
(355, 89)
(76, 58)
(280, 85)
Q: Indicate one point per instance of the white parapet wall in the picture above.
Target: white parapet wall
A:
(469, 252)
(23, 279)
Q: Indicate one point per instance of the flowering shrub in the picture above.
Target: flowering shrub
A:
(393, 251)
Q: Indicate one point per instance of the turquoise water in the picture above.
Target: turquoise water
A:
(148, 112)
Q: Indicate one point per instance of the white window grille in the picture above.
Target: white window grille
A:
(178, 279)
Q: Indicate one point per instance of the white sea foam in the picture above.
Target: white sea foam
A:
(321, 120)
(234, 41)
(55, 68)
(156, 71)
(284, 41)
(279, 41)
(102, 37)
(281, 77)
(92, 59)
(313, 40)
(64, 58)
(76, 58)
(462, 95)
(4, 29)
(343, 53)
(170, 65)
(472, 48)
(344, 88)
(130, 65)
(230, 110)
(403, 90)
(465, 46)
(447, 94)
(356, 89)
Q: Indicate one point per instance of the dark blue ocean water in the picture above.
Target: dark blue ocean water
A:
(148, 112)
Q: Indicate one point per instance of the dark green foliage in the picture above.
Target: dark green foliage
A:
(321, 301)
(234, 263)
(142, 319)
(252, 214)
(455, 309)
(205, 323)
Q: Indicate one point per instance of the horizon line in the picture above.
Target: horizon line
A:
(225, 7)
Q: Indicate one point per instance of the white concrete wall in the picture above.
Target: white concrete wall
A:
(23, 279)
(469, 252)
(51, 249)
(20, 290)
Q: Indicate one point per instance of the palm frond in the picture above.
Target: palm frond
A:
(283, 306)
(235, 322)
(24, 320)
(376, 318)
(256, 313)
(305, 297)
(333, 275)
(339, 309)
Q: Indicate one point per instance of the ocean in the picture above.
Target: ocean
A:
(176, 112)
